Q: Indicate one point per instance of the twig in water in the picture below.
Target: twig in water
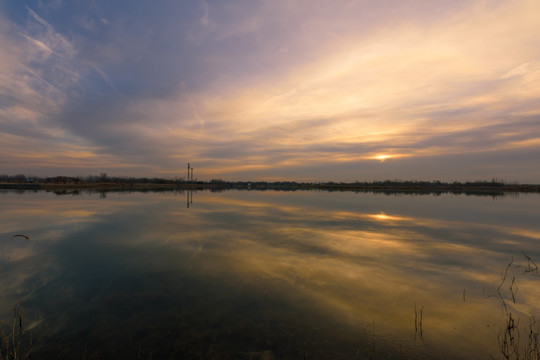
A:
(420, 325)
(415, 320)
(509, 340)
(531, 265)
(512, 289)
(501, 284)
(511, 346)
(533, 347)
(418, 322)
(11, 344)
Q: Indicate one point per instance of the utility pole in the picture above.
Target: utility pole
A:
(187, 172)
(191, 174)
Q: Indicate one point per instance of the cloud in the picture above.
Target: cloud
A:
(38, 75)
(38, 44)
(39, 19)
(51, 37)
(394, 86)
(23, 87)
(204, 17)
(520, 70)
(105, 77)
(358, 82)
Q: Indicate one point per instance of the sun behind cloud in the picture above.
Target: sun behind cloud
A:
(382, 157)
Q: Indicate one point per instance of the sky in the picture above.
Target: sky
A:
(305, 90)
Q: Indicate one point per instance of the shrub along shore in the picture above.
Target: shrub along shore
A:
(122, 183)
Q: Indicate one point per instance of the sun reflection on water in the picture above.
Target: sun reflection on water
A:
(359, 260)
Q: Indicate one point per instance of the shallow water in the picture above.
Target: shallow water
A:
(263, 275)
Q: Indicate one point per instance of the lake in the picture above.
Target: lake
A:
(271, 274)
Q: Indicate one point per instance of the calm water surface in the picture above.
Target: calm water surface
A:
(269, 275)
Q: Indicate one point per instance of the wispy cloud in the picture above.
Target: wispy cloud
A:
(39, 19)
(54, 39)
(204, 17)
(359, 82)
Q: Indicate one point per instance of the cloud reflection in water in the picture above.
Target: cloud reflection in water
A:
(357, 259)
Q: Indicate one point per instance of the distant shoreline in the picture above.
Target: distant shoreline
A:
(384, 186)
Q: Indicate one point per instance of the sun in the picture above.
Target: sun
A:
(383, 217)
(382, 157)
